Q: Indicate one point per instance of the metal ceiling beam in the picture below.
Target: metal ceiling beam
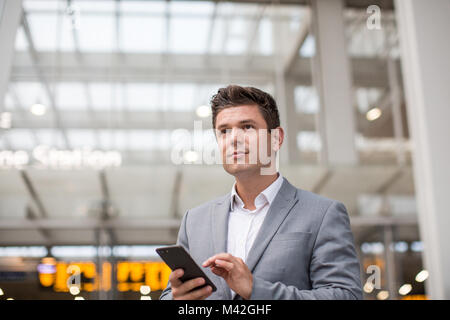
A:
(117, 21)
(22, 113)
(106, 67)
(223, 65)
(142, 156)
(213, 23)
(35, 210)
(33, 194)
(175, 199)
(212, 27)
(300, 38)
(320, 185)
(360, 221)
(89, 224)
(144, 224)
(32, 216)
(106, 210)
(360, 4)
(104, 186)
(254, 33)
(79, 56)
(136, 120)
(173, 15)
(10, 13)
(43, 78)
(167, 19)
(384, 188)
(175, 196)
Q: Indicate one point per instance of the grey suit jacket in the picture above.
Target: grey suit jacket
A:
(304, 249)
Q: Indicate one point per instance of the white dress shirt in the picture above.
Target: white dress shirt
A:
(244, 224)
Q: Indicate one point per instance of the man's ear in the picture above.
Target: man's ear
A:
(277, 138)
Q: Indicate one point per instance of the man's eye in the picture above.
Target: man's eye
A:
(223, 131)
(248, 126)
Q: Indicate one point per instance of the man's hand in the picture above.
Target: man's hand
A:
(182, 290)
(234, 271)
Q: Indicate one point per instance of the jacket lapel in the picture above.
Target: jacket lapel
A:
(281, 205)
(220, 213)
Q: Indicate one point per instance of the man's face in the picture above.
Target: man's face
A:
(244, 139)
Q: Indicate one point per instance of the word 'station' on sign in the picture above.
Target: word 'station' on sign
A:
(130, 276)
(46, 157)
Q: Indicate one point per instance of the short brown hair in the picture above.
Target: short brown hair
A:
(234, 95)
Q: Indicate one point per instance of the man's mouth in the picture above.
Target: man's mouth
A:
(238, 154)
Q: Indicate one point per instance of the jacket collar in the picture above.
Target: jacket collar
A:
(284, 200)
(267, 194)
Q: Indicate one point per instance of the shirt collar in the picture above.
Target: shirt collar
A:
(267, 194)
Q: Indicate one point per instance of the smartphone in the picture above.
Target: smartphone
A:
(177, 257)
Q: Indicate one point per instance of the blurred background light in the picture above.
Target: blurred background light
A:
(368, 287)
(38, 109)
(383, 295)
(373, 114)
(190, 156)
(203, 111)
(74, 290)
(145, 290)
(5, 120)
(422, 276)
(405, 289)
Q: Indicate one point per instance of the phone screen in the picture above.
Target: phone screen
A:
(176, 257)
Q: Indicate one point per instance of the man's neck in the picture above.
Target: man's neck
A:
(249, 187)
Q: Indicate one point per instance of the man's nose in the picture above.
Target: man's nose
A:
(236, 133)
(237, 141)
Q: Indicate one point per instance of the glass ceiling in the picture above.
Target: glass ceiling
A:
(194, 28)
(181, 27)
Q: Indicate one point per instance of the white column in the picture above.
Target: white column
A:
(424, 29)
(2, 4)
(332, 78)
(291, 122)
(279, 40)
(10, 14)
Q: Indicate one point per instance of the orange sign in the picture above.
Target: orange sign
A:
(130, 275)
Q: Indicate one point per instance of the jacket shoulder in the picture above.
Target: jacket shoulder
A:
(310, 198)
(313, 202)
(206, 206)
(314, 198)
(318, 205)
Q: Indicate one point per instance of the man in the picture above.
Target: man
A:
(266, 239)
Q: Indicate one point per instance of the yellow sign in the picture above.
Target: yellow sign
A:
(130, 275)
(415, 297)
